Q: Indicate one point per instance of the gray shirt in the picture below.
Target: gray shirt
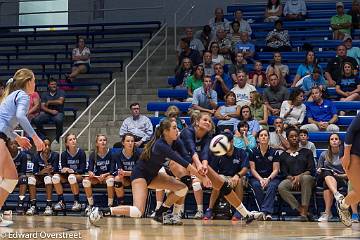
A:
(200, 98)
(275, 97)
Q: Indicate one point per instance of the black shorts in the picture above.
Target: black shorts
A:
(87, 65)
(138, 173)
(341, 183)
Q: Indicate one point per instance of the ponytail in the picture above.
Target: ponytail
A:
(18, 81)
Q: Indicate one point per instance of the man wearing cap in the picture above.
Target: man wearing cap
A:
(340, 23)
(351, 51)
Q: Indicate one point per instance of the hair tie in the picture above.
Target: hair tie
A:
(11, 80)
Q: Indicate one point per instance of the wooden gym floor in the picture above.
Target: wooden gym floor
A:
(113, 228)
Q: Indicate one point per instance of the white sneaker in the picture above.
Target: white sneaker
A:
(48, 211)
(260, 216)
(169, 219)
(76, 206)
(324, 217)
(199, 215)
(31, 211)
(344, 214)
(3, 222)
(88, 210)
(95, 215)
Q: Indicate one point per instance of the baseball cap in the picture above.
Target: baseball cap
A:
(347, 37)
(339, 4)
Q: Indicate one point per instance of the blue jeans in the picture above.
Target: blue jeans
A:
(45, 118)
(265, 197)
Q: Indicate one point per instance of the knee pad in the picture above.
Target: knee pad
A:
(86, 183)
(32, 180)
(226, 189)
(118, 184)
(8, 184)
(23, 180)
(71, 179)
(182, 192)
(187, 181)
(110, 182)
(48, 181)
(55, 179)
(196, 186)
(135, 212)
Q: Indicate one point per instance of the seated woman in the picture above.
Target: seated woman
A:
(228, 114)
(195, 81)
(264, 167)
(125, 163)
(273, 11)
(259, 110)
(243, 138)
(293, 110)
(182, 73)
(246, 115)
(73, 165)
(81, 58)
(257, 77)
(307, 68)
(332, 173)
(216, 57)
(101, 162)
(278, 39)
(348, 87)
(174, 112)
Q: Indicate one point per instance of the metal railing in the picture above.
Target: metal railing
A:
(176, 22)
(88, 113)
(148, 55)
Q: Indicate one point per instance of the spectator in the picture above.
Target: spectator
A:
(259, 109)
(228, 114)
(264, 167)
(219, 21)
(307, 67)
(278, 39)
(315, 79)
(273, 11)
(351, 51)
(305, 143)
(332, 175)
(216, 57)
(275, 95)
(246, 115)
(174, 112)
(295, 10)
(208, 64)
(245, 46)
(258, 76)
(81, 58)
(52, 109)
(195, 43)
(138, 125)
(321, 113)
(222, 83)
(182, 73)
(297, 166)
(340, 23)
(239, 65)
(205, 99)
(234, 36)
(348, 87)
(354, 12)
(244, 25)
(276, 66)
(243, 138)
(195, 81)
(194, 55)
(242, 89)
(333, 72)
(34, 106)
(278, 137)
(224, 45)
(293, 110)
(205, 36)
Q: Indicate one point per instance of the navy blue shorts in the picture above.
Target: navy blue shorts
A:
(87, 65)
(138, 173)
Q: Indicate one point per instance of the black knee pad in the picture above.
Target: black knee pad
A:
(187, 180)
(226, 188)
(118, 184)
(23, 180)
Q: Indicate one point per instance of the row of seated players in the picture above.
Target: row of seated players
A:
(113, 169)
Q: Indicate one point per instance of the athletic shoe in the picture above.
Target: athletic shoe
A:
(249, 218)
(344, 214)
(3, 222)
(76, 206)
(208, 214)
(236, 217)
(324, 217)
(48, 211)
(95, 215)
(260, 216)
(355, 218)
(169, 219)
(88, 210)
(152, 214)
(199, 214)
(59, 206)
(31, 211)
(268, 217)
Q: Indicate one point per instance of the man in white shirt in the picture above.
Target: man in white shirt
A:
(242, 90)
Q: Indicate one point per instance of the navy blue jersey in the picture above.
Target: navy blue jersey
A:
(162, 152)
(230, 165)
(193, 145)
(127, 164)
(353, 133)
(20, 161)
(76, 162)
(39, 162)
(100, 165)
(264, 163)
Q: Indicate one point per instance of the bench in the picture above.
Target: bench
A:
(97, 86)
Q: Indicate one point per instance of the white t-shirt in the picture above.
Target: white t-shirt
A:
(84, 52)
(218, 59)
(296, 116)
(243, 94)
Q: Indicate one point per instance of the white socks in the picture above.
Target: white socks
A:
(158, 204)
(91, 201)
(200, 208)
(242, 210)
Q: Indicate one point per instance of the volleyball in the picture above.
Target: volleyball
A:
(219, 145)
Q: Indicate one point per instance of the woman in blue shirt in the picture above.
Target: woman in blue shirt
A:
(348, 87)
(244, 139)
(307, 67)
(315, 79)
(13, 109)
(246, 115)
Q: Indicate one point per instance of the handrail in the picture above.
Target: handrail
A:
(192, 6)
(91, 119)
(146, 61)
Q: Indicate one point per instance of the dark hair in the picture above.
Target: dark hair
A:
(340, 45)
(295, 93)
(241, 116)
(228, 134)
(134, 104)
(290, 129)
(329, 154)
(124, 137)
(207, 51)
(234, 22)
(242, 124)
(260, 131)
(316, 70)
(230, 93)
(2, 84)
(213, 44)
(207, 29)
(269, 4)
(304, 131)
(278, 21)
(186, 40)
(306, 56)
(50, 80)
